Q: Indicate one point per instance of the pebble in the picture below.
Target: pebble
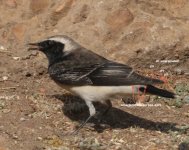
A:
(6, 111)
(22, 119)
(5, 78)
(2, 48)
(179, 71)
(64, 6)
(152, 66)
(27, 74)
(15, 136)
(39, 138)
(186, 99)
(16, 58)
(186, 114)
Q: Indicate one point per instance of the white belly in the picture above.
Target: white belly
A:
(101, 93)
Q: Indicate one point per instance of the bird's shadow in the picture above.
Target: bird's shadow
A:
(76, 109)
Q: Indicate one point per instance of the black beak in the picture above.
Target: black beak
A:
(34, 46)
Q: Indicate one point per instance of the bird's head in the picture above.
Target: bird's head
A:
(55, 48)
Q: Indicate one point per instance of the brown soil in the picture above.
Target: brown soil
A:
(35, 114)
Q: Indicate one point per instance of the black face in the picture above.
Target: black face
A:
(52, 49)
(51, 46)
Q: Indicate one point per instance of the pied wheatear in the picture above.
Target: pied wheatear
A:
(91, 76)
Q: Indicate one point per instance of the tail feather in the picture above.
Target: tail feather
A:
(156, 91)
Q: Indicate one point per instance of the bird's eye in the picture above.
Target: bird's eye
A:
(50, 42)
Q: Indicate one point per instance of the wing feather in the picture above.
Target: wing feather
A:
(102, 74)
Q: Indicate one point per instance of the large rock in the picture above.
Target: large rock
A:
(11, 3)
(119, 19)
(121, 30)
(19, 31)
(39, 5)
(60, 11)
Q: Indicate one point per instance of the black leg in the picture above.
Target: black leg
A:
(92, 112)
(109, 104)
(100, 116)
(81, 126)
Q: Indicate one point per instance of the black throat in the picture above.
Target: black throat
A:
(54, 53)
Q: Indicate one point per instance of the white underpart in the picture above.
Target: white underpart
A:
(101, 93)
(69, 46)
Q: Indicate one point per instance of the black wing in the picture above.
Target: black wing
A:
(102, 74)
(70, 73)
(113, 73)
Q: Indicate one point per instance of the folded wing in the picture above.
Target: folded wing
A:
(102, 74)
(118, 74)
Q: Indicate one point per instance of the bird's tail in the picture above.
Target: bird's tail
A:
(156, 91)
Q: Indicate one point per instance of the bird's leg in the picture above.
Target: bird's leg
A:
(101, 115)
(92, 112)
(141, 96)
(109, 104)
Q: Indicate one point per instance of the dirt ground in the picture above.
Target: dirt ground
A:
(151, 36)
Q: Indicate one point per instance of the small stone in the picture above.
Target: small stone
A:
(6, 111)
(179, 71)
(22, 119)
(164, 120)
(39, 138)
(2, 48)
(60, 8)
(25, 57)
(27, 74)
(186, 99)
(15, 136)
(186, 114)
(162, 70)
(5, 78)
(16, 58)
(55, 30)
(152, 66)
(64, 6)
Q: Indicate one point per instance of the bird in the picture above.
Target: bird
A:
(90, 76)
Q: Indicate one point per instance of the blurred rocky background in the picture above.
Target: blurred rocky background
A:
(149, 35)
(138, 32)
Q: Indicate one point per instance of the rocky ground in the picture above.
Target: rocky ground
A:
(149, 35)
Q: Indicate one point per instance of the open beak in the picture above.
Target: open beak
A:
(34, 46)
